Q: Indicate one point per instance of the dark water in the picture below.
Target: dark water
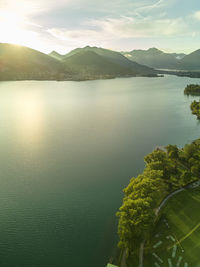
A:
(67, 151)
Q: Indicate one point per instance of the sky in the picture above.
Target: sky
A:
(122, 25)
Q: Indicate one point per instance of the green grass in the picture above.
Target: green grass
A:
(182, 213)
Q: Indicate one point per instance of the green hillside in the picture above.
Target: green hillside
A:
(90, 63)
(113, 56)
(56, 55)
(98, 61)
(19, 62)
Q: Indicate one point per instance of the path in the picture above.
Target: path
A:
(162, 204)
(123, 261)
(141, 252)
(167, 198)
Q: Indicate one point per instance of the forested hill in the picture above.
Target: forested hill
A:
(23, 63)
(94, 61)
(56, 55)
(112, 56)
(19, 62)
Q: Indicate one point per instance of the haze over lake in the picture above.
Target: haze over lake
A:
(67, 151)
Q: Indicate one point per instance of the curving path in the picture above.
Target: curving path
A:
(162, 204)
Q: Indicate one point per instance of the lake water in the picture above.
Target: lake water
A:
(67, 151)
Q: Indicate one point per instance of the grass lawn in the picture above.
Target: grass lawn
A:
(175, 240)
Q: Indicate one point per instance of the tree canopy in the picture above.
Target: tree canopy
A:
(192, 89)
(195, 107)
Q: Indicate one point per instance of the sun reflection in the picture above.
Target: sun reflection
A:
(29, 112)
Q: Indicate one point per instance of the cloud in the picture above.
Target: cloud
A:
(22, 7)
(66, 24)
(32, 7)
(196, 15)
(158, 4)
(80, 37)
(154, 8)
(65, 34)
(117, 33)
(124, 27)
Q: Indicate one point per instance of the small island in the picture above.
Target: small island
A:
(195, 107)
(192, 89)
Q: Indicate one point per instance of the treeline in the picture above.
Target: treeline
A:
(32, 75)
(20, 76)
(165, 171)
(195, 107)
(191, 74)
(62, 76)
(192, 89)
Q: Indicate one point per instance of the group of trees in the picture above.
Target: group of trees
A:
(192, 89)
(195, 107)
(136, 215)
(166, 170)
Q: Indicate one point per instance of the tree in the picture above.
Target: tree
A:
(173, 152)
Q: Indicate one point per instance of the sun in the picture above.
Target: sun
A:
(15, 29)
(10, 17)
(11, 27)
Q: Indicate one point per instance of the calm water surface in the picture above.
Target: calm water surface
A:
(67, 151)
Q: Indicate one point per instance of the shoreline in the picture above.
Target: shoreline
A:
(83, 80)
(159, 74)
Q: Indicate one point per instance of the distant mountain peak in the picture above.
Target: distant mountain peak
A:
(155, 50)
(56, 55)
(155, 58)
(88, 46)
(195, 52)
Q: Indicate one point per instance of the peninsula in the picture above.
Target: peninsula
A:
(167, 170)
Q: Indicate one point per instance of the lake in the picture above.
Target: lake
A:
(67, 151)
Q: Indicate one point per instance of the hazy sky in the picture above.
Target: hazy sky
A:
(62, 25)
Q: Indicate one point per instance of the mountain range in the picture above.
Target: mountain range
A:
(158, 59)
(19, 63)
(94, 61)
(23, 63)
(191, 61)
(155, 58)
